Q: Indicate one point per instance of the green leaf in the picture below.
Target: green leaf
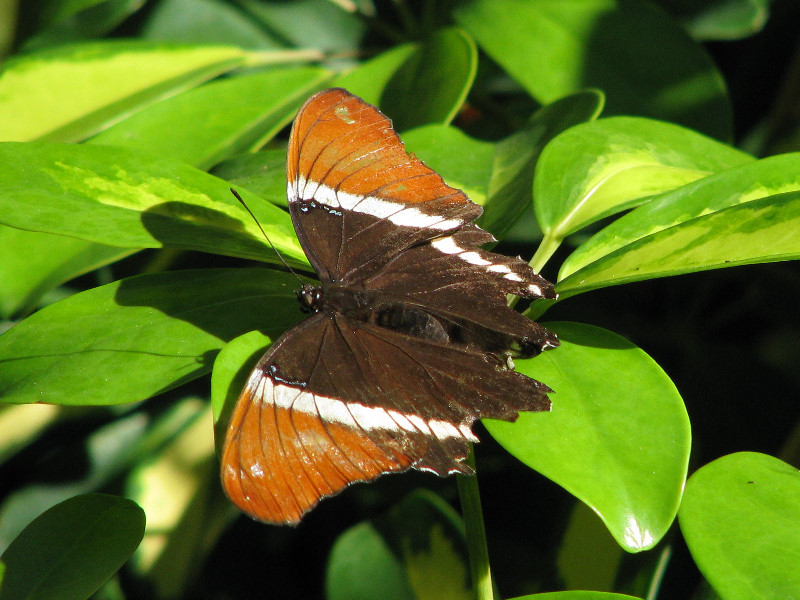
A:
(432, 83)
(418, 84)
(725, 20)
(746, 183)
(309, 23)
(604, 167)
(72, 549)
(498, 176)
(577, 595)
(165, 329)
(263, 173)
(414, 552)
(232, 369)
(759, 231)
(23, 281)
(464, 163)
(556, 48)
(617, 438)
(69, 93)
(71, 20)
(199, 127)
(741, 520)
(188, 21)
(516, 156)
(130, 199)
(204, 125)
(370, 78)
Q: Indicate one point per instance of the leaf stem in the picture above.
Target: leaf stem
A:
(545, 252)
(480, 571)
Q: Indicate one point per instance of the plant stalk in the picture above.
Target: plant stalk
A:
(480, 571)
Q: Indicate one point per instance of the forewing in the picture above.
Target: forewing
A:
(356, 196)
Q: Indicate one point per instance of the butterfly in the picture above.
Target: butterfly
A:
(410, 338)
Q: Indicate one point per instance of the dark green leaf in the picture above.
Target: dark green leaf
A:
(370, 78)
(63, 21)
(464, 163)
(263, 173)
(503, 171)
(433, 82)
(309, 23)
(618, 436)
(70, 550)
(415, 551)
(23, 282)
(164, 329)
(188, 21)
(741, 520)
(557, 48)
(418, 84)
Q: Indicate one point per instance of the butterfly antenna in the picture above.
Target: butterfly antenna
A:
(264, 233)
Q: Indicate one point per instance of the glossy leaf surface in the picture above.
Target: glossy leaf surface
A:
(741, 520)
(418, 84)
(736, 186)
(604, 167)
(760, 231)
(204, 125)
(23, 282)
(618, 435)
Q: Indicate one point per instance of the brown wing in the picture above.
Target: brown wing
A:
(356, 196)
(336, 401)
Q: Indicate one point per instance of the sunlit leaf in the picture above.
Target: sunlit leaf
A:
(69, 93)
(604, 167)
(618, 436)
(760, 231)
(131, 199)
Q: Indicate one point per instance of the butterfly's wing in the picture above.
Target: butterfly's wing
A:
(357, 198)
(337, 401)
(453, 279)
(368, 213)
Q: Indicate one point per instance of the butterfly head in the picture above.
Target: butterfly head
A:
(310, 298)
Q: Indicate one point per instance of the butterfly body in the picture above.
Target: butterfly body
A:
(409, 339)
